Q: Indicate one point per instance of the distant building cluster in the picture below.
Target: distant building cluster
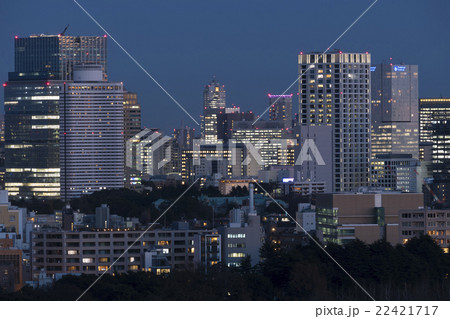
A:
(365, 157)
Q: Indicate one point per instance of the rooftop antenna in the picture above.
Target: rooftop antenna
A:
(62, 33)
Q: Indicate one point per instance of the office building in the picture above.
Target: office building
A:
(270, 139)
(395, 172)
(395, 110)
(334, 91)
(52, 57)
(149, 153)
(131, 115)
(432, 222)
(184, 136)
(214, 99)
(440, 158)
(365, 216)
(243, 236)
(432, 110)
(281, 108)
(42, 63)
(91, 143)
(226, 120)
(32, 138)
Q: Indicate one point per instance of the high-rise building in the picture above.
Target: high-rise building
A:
(434, 143)
(42, 63)
(281, 108)
(53, 56)
(184, 136)
(131, 115)
(269, 138)
(92, 144)
(226, 120)
(334, 90)
(214, 98)
(432, 110)
(32, 138)
(395, 110)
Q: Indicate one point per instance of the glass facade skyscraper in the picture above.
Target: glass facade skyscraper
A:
(32, 138)
(432, 111)
(42, 64)
(53, 56)
(395, 110)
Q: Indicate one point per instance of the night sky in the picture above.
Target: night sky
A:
(250, 46)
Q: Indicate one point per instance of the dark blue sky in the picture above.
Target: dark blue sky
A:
(251, 46)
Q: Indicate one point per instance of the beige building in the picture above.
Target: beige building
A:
(344, 217)
(433, 222)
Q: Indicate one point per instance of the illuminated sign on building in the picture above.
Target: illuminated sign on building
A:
(373, 68)
(399, 68)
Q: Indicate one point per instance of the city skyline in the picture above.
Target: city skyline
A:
(235, 58)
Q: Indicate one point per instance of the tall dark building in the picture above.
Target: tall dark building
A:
(214, 98)
(53, 56)
(441, 159)
(131, 115)
(42, 64)
(32, 138)
(281, 108)
(437, 109)
(395, 110)
(226, 121)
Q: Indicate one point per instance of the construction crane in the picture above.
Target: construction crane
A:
(430, 190)
(62, 33)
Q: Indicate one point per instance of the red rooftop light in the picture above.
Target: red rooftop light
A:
(16, 37)
(104, 35)
(48, 83)
(4, 84)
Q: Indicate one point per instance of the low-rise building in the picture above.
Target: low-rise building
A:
(343, 217)
(92, 252)
(432, 222)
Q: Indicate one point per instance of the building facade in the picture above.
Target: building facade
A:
(432, 222)
(395, 172)
(281, 108)
(91, 143)
(395, 109)
(214, 99)
(92, 252)
(334, 90)
(54, 56)
(365, 216)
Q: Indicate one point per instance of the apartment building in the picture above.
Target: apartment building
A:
(92, 252)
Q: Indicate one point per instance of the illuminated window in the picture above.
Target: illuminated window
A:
(104, 259)
(88, 260)
(102, 268)
(73, 252)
